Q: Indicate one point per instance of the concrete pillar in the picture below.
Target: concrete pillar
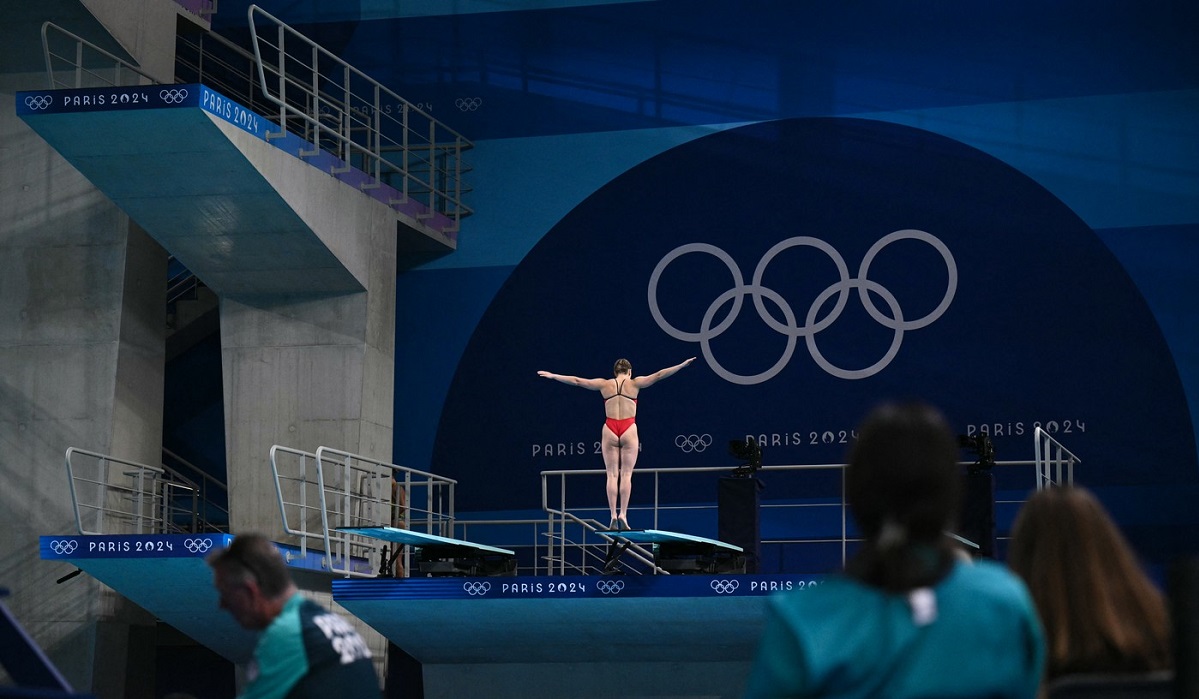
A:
(82, 346)
(82, 343)
(309, 371)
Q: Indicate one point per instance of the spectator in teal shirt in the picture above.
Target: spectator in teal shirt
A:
(305, 651)
(912, 616)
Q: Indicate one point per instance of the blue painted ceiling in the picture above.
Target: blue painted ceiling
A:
(682, 62)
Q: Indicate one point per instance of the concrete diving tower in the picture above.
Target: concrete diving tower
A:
(247, 209)
(301, 249)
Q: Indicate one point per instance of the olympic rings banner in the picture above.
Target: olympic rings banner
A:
(96, 99)
(815, 267)
(132, 546)
(571, 587)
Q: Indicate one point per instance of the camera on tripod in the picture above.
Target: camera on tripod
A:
(748, 452)
(983, 450)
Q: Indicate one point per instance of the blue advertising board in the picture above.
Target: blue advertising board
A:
(570, 587)
(128, 546)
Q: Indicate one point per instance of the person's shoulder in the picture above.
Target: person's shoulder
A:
(819, 595)
(988, 577)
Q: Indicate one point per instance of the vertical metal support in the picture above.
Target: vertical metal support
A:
(562, 529)
(1037, 458)
(281, 66)
(79, 64)
(404, 150)
(347, 119)
(304, 505)
(657, 492)
(457, 183)
(432, 166)
(375, 135)
(408, 521)
(844, 523)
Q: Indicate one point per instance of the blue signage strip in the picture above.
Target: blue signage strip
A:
(131, 546)
(107, 99)
(240, 116)
(572, 587)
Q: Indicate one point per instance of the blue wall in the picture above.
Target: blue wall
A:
(1047, 152)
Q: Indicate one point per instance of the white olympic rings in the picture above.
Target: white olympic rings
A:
(693, 442)
(724, 587)
(63, 548)
(812, 325)
(468, 104)
(476, 588)
(197, 545)
(36, 102)
(610, 587)
(173, 96)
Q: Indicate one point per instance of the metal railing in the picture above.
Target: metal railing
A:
(1055, 463)
(200, 8)
(85, 64)
(111, 495)
(339, 109)
(569, 531)
(572, 530)
(211, 495)
(320, 491)
(313, 94)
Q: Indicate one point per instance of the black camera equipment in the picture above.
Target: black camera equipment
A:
(983, 450)
(747, 452)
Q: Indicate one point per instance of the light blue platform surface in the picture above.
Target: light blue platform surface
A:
(657, 536)
(407, 536)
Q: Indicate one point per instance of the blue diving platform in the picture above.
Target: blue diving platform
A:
(699, 622)
(679, 553)
(443, 556)
(223, 189)
(166, 574)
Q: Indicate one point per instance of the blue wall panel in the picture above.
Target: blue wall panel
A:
(1051, 148)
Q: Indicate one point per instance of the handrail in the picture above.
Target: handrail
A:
(362, 505)
(303, 483)
(424, 155)
(80, 71)
(639, 553)
(141, 494)
(559, 514)
(351, 490)
(657, 489)
(204, 487)
(1053, 460)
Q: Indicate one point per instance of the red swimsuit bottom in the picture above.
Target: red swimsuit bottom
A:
(619, 427)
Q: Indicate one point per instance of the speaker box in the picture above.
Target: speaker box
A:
(739, 523)
(977, 521)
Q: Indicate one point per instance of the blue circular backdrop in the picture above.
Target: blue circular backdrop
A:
(981, 293)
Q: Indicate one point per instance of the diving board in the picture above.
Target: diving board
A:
(443, 556)
(675, 552)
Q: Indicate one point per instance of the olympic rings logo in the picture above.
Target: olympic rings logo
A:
(197, 545)
(63, 548)
(468, 104)
(476, 588)
(693, 442)
(173, 96)
(610, 587)
(36, 102)
(811, 326)
(724, 587)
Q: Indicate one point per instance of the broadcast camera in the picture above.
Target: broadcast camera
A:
(749, 453)
(983, 450)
